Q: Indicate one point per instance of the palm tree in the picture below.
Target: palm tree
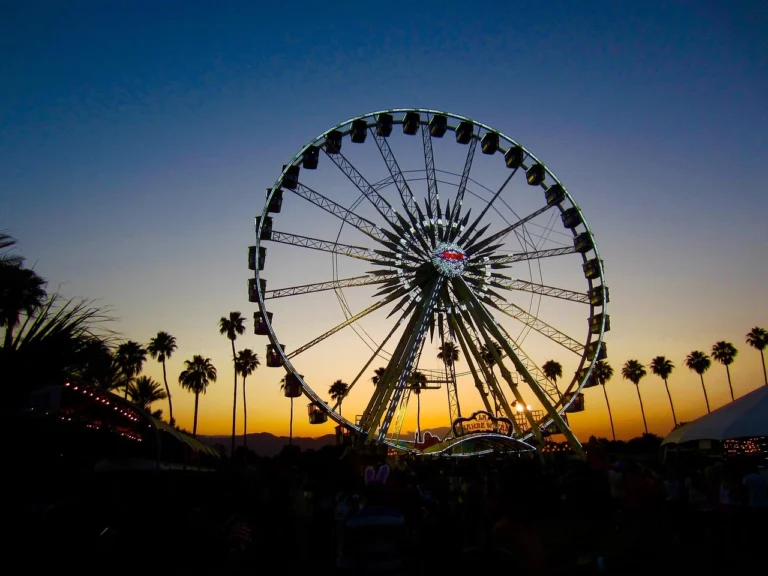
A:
(553, 370)
(758, 339)
(22, 291)
(699, 362)
(662, 367)
(6, 258)
(601, 373)
(130, 356)
(144, 391)
(337, 391)
(233, 327)
(378, 374)
(634, 371)
(449, 353)
(161, 348)
(198, 373)
(247, 362)
(724, 353)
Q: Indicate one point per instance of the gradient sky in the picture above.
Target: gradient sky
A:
(136, 143)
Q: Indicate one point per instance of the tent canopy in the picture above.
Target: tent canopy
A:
(743, 418)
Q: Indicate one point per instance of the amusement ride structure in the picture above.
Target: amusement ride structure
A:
(425, 258)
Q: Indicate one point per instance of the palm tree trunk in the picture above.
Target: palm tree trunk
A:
(730, 386)
(9, 333)
(234, 402)
(194, 424)
(610, 414)
(418, 417)
(671, 405)
(245, 417)
(765, 375)
(290, 428)
(706, 398)
(642, 409)
(168, 392)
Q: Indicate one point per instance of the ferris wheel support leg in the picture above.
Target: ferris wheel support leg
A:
(490, 379)
(468, 358)
(454, 409)
(512, 382)
(380, 410)
(521, 369)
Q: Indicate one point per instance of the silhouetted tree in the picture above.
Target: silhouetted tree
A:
(247, 361)
(663, 367)
(602, 373)
(634, 371)
(232, 327)
(338, 391)
(378, 374)
(724, 353)
(758, 339)
(130, 356)
(197, 375)
(699, 362)
(144, 391)
(161, 348)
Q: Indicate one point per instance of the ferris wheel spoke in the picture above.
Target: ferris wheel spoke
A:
(514, 311)
(326, 246)
(501, 260)
(338, 328)
(471, 228)
(331, 285)
(379, 202)
(457, 203)
(484, 246)
(395, 173)
(429, 164)
(500, 281)
(362, 224)
(380, 410)
(479, 310)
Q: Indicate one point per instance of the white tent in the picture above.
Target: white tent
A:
(744, 417)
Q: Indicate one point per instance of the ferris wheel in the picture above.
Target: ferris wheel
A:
(404, 256)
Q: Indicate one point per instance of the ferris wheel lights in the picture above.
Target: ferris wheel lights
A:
(464, 132)
(359, 131)
(514, 157)
(571, 218)
(554, 194)
(384, 125)
(411, 122)
(291, 178)
(310, 158)
(583, 243)
(438, 124)
(591, 268)
(276, 202)
(535, 175)
(490, 143)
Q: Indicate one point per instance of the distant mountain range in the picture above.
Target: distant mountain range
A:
(268, 445)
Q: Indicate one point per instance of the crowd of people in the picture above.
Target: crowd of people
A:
(340, 511)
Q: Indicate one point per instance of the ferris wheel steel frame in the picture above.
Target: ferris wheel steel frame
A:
(461, 300)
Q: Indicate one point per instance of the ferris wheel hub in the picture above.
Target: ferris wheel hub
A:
(449, 259)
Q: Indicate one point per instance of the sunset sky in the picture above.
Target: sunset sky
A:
(136, 144)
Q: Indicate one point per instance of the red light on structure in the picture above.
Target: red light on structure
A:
(452, 255)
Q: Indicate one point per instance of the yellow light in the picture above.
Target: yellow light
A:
(519, 408)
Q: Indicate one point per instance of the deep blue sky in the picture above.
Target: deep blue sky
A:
(136, 139)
